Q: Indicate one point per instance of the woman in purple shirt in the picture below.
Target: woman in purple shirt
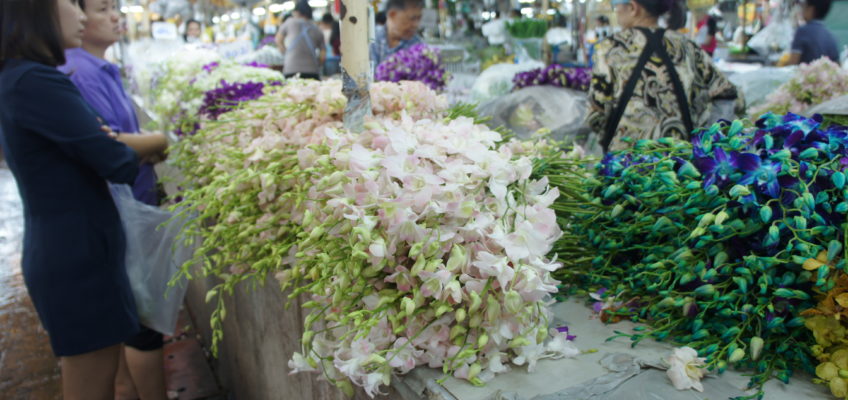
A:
(99, 81)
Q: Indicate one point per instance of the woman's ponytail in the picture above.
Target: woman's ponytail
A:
(676, 15)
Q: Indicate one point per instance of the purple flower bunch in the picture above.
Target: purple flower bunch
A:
(554, 75)
(418, 63)
(228, 95)
(211, 66)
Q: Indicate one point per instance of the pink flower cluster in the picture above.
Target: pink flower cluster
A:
(814, 83)
(423, 240)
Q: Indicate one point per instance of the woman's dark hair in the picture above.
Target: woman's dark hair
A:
(380, 18)
(822, 7)
(328, 19)
(29, 29)
(188, 22)
(674, 8)
(304, 9)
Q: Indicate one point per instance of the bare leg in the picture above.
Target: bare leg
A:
(90, 376)
(124, 385)
(148, 372)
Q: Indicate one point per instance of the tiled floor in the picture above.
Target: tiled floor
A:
(28, 369)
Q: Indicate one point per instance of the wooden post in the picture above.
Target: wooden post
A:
(356, 63)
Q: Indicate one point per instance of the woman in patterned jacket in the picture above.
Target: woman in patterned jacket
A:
(649, 82)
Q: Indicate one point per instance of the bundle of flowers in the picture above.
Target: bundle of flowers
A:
(828, 323)
(813, 84)
(719, 243)
(182, 91)
(418, 63)
(554, 75)
(420, 241)
(229, 95)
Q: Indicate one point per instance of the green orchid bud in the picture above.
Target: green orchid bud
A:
(721, 217)
(307, 218)
(739, 191)
(706, 219)
(756, 347)
(415, 250)
(809, 153)
(474, 370)
(519, 342)
(493, 310)
(616, 211)
(433, 265)
(442, 309)
(457, 330)
(705, 290)
(457, 258)
(432, 249)
(475, 321)
(512, 302)
(307, 337)
(419, 265)
(482, 341)
(408, 306)
(476, 302)
(736, 356)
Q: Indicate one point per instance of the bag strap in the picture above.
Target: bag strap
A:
(651, 40)
(304, 34)
(679, 91)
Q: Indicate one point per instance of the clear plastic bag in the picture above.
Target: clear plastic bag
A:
(526, 111)
(154, 255)
(496, 80)
(774, 38)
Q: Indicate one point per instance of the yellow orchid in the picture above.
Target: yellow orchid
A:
(813, 264)
(835, 302)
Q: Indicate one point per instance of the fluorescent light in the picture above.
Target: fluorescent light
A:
(259, 11)
(526, 1)
(137, 9)
(225, 18)
(125, 9)
(552, 12)
(275, 8)
(288, 6)
(318, 3)
(216, 20)
(235, 15)
(527, 11)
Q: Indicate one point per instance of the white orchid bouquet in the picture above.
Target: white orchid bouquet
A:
(180, 91)
(421, 241)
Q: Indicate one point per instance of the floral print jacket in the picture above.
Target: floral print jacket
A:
(653, 111)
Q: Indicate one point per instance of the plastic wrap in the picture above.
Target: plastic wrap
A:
(496, 81)
(153, 257)
(837, 106)
(529, 110)
(774, 38)
(756, 85)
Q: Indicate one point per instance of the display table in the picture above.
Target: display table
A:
(260, 335)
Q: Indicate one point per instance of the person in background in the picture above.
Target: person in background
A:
(401, 31)
(603, 29)
(380, 18)
(649, 83)
(707, 31)
(62, 157)
(303, 44)
(495, 30)
(193, 31)
(142, 363)
(332, 38)
(813, 40)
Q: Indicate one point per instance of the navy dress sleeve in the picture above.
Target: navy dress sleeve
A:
(63, 117)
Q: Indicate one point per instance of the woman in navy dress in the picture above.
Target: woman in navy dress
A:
(73, 258)
(142, 373)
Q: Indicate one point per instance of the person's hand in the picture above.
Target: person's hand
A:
(106, 129)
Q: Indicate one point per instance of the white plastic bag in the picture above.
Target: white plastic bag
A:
(526, 111)
(496, 80)
(153, 257)
(774, 38)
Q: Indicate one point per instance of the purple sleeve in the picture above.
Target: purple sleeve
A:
(95, 95)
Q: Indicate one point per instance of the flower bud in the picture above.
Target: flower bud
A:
(475, 321)
(736, 356)
(474, 370)
(460, 315)
(408, 306)
(512, 302)
(476, 302)
(756, 347)
(482, 341)
(493, 309)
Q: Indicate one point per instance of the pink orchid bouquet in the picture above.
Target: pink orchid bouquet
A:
(421, 241)
(813, 84)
